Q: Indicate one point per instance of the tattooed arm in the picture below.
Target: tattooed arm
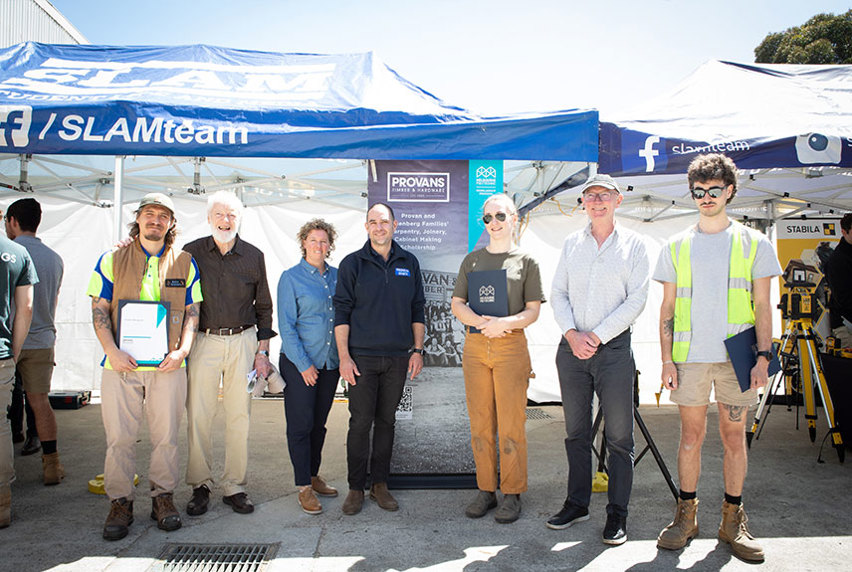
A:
(667, 309)
(118, 360)
(190, 326)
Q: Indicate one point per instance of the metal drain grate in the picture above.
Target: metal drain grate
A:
(536, 413)
(215, 557)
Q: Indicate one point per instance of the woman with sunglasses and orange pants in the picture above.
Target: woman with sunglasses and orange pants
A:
(496, 363)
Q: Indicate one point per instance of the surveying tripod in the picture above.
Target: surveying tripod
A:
(801, 370)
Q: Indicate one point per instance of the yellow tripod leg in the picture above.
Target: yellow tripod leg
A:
(827, 403)
(807, 385)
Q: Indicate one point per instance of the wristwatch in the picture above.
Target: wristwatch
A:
(263, 353)
(420, 351)
(765, 353)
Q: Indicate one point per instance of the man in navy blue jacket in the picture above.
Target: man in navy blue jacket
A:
(379, 326)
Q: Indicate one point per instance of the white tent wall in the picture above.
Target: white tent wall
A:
(544, 237)
(80, 234)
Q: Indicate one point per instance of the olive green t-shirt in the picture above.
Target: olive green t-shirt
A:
(522, 275)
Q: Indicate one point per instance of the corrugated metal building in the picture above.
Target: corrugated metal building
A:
(35, 21)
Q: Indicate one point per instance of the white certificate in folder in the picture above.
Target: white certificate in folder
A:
(143, 330)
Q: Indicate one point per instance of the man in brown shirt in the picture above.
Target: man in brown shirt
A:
(233, 339)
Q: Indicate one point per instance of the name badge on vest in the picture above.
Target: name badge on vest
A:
(175, 283)
(402, 272)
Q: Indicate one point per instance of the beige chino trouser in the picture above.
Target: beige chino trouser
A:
(124, 396)
(7, 459)
(228, 359)
(496, 377)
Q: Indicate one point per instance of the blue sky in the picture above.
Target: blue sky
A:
(492, 57)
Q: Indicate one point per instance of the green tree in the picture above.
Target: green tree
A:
(824, 39)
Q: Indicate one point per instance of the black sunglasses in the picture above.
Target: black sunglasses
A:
(714, 192)
(499, 216)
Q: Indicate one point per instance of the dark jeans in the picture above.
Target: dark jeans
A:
(609, 373)
(16, 410)
(306, 409)
(372, 404)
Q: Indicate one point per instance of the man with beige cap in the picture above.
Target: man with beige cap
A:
(148, 269)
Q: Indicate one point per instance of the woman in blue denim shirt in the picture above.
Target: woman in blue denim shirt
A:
(308, 358)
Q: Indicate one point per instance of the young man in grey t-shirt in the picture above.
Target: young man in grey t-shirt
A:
(35, 365)
(716, 283)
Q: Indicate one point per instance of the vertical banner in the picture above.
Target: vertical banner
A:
(430, 202)
(810, 241)
(486, 178)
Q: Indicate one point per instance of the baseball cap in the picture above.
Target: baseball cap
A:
(601, 181)
(158, 199)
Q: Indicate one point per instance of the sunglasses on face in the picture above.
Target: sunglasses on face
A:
(714, 192)
(499, 216)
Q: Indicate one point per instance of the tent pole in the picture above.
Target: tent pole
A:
(770, 211)
(118, 182)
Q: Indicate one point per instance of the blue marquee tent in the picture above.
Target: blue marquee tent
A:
(214, 102)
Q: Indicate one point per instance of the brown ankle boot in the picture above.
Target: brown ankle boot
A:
(5, 506)
(379, 493)
(119, 519)
(683, 528)
(52, 469)
(164, 512)
(733, 530)
(353, 502)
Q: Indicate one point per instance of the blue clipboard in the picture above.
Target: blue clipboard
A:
(742, 349)
(488, 293)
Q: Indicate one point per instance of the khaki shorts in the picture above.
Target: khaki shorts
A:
(36, 369)
(694, 381)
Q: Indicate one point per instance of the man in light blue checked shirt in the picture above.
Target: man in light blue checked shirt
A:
(599, 289)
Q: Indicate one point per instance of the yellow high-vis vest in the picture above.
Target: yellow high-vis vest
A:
(740, 305)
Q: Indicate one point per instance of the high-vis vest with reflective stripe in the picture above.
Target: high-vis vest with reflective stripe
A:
(740, 306)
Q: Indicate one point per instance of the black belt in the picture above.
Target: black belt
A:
(225, 331)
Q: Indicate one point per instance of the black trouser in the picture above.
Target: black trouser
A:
(16, 410)
(306, 409)
(372, 404)
(609, 373)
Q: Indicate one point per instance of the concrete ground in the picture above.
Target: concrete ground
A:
(800, 509)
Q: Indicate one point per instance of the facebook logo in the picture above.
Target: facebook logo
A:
(643, 153)
(15, 123)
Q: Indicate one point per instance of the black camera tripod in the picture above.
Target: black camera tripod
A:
(650, 445)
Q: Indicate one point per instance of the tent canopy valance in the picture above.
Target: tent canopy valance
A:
(215, 102)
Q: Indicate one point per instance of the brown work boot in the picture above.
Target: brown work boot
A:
(322, 488)
(683, 528)
(5, 506)
(733, 530)
(164, 512)
(379, 493)
(52, 469)
(119, 519)
(353, 502)
(308, 500)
